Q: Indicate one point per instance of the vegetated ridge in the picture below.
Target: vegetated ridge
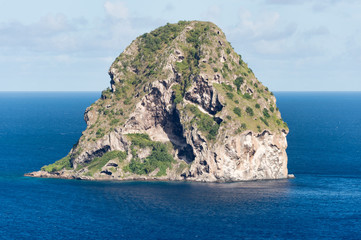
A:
(182, 105)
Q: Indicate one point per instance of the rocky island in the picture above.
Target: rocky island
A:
(182, 105)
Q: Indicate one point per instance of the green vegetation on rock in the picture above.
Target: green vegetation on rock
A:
(151, 44)
(249, 111)
(266, 113)
(237, 111)
(158, 158)
(205, 123)
(63, 163)
(238, 82)
(189, 67)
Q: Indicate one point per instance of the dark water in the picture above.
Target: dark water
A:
(323, 202)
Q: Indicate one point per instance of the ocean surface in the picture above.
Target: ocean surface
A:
(322, 202)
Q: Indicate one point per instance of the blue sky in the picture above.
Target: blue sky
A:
(69, 45)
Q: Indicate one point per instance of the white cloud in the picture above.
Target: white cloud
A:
(293, 2)
(116, 10)
(169, 7)
(59, 35)
(63, 58)
(54, 23)
(319, 7)
(317, 31)
(264, 33)
(50, 33)
(65, 42)
(212, 13)
(270, 47)
(286, 2)
(266, 26)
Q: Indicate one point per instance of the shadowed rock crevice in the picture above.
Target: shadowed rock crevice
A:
(88, 157)
(204, 95)
(174, 130)
(106, 172)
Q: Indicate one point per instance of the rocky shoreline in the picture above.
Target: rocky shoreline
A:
(44, 174)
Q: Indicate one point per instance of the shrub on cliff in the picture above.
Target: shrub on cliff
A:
(249, 111)
(237, 111)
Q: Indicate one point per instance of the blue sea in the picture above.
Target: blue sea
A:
(322, 202)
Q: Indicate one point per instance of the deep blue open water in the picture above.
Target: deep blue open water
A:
(322, 202)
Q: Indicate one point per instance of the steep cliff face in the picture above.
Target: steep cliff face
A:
(182, 106)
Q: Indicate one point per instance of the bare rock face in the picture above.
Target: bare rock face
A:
(182, 106)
